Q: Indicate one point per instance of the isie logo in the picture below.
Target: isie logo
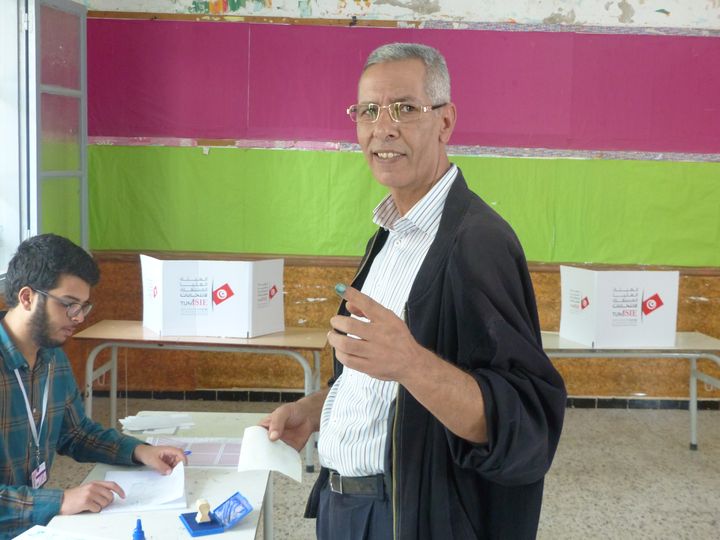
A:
(584, 303)
(272, 292)
(221, 294)
(651, 304)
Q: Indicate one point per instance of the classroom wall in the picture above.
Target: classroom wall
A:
(598, 145)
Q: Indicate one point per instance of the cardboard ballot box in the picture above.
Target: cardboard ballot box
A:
(618, 309)
(212, 298)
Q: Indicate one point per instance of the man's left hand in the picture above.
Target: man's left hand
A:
(385, 349)
(161, 458)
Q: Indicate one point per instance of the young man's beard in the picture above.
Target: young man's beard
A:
(40, 328)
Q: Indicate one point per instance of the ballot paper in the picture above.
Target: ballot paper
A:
(148, 490)
(157, 423)
(204, 452)
(258, 453)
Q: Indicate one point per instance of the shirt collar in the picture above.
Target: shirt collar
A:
(12, 356)
(423, 215)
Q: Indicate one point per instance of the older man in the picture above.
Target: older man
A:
(444, 413)
(47, 289)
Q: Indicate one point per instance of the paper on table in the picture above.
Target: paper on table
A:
(156, 421)
(44, 533)
(148, 490)
(258, 453)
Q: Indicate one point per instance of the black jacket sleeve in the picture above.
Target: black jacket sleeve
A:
(498, 343)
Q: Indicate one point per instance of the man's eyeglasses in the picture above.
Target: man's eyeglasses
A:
(400, 111)
(73, 309)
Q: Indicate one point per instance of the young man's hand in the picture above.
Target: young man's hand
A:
(91, 497)
(161, 458)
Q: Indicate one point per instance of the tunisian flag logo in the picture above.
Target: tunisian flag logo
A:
(584, 303)
(221, 294)
(651, 304)
(272, 292)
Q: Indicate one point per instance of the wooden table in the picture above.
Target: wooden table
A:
(132, 335)
(691, 346)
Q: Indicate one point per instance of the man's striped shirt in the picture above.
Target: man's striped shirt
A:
(354, 421)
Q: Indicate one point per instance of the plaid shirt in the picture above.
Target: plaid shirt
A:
(66, 430)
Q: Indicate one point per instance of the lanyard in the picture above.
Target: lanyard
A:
(35, 432)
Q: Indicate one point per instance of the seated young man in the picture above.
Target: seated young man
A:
(47, 291)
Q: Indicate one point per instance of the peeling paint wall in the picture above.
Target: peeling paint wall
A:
(682, 14)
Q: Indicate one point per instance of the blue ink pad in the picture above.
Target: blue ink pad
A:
(225, 516)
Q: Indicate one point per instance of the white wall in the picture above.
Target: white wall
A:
(681, 14)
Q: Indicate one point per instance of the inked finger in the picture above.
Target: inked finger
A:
(361, 304)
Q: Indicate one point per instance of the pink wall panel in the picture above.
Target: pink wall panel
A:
(166, 78)
(303, 91)
(303, 80)
(513, 89)
(650, 92)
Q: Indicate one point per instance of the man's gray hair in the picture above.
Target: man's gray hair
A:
(437, 78)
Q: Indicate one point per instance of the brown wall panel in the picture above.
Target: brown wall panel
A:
(310, 301)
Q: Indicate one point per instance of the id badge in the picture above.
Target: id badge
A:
(39, 476)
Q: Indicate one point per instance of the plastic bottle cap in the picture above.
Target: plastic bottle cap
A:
(138, 533)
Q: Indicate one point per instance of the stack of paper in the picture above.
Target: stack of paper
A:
(165, 424)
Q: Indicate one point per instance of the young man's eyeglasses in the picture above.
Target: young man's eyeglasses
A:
(400, 111)
(73, 309)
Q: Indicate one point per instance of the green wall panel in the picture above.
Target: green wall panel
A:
(604, 211)
(320, 203)
(230, 200)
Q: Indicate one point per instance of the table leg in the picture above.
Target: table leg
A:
(697, 376)
(113, 386)
(693, 403)
(310, 381)
(268, 510)
(312, 441)
(88, 388)
(91, 374)
(316, 367)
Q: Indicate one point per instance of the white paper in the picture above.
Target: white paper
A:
(43, 533)
(258, 453)
(148, 490)
(156, 422)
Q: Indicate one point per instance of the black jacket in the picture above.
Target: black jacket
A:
(472, 303)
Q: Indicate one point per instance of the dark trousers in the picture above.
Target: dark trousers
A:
(354, 517)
